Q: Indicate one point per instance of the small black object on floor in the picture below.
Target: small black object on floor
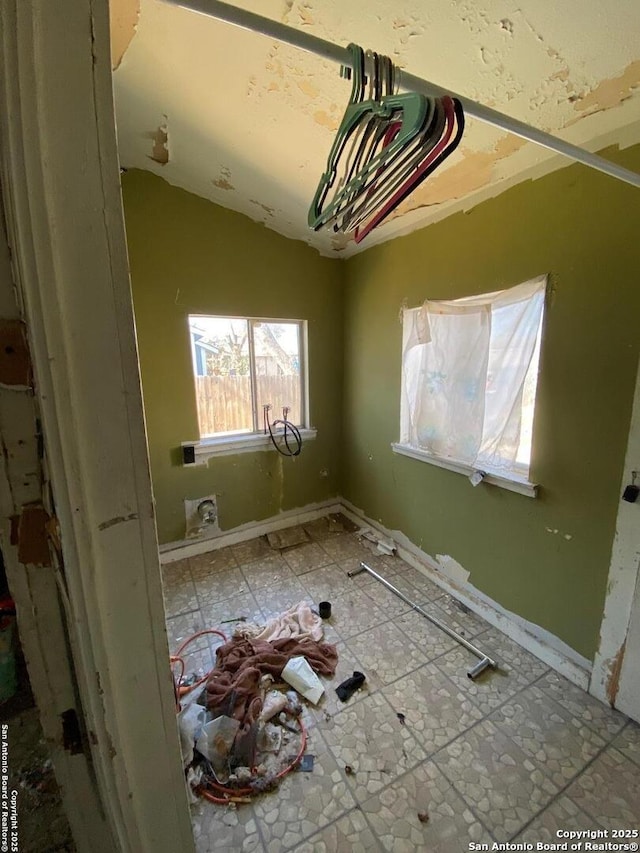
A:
(350, 685)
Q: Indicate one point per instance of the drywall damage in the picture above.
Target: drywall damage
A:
(613, 682)
(222, 182)
(452, 568)
(451, 576)
(160, 148)
(123, 21)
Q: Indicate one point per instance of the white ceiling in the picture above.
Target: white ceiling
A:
(248, 123)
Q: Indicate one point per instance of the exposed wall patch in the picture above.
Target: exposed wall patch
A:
(452, 568)
(201, 516)
(160, 149)
(615, 668)
(123, 24)
(222, 182)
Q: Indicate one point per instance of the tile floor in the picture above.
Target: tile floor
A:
(516, 755)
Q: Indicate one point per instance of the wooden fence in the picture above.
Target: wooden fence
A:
(224, 402)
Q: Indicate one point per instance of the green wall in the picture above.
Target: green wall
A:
(583, 229)
(188, 255)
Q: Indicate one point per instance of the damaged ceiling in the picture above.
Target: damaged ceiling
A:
(247, 122)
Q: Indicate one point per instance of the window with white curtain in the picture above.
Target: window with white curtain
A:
(469, 375)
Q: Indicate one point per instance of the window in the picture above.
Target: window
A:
(469, 374)
(242, 364)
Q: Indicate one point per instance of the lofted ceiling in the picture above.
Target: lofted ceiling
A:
(247, 122)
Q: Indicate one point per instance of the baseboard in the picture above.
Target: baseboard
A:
(172, 551)
(544, 645)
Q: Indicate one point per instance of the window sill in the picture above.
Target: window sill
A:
(513, 484)
(232, 444)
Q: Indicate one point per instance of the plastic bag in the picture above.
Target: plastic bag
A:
(299, 675)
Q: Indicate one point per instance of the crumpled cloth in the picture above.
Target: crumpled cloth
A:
(233, 685)
(297, 622)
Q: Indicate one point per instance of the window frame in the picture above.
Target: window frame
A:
(240, 440)
(517, 479)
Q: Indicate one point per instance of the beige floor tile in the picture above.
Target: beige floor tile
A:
(558, 743)
(349, 834)
(221, 829)
(593, 713)
(435, 709)
(266, 571)
(388, 567)
(498, 775)
(385, 652)
(431, 641)
(391, 603)
(287, 537)
(609, 790)
(353, 612)
(274, 600)
(359, 580)
(180, 598)
(344, 546)
(562, 815)
(320, 528)
(488, 690)
(511, 657)
(327, 583)
(220, 585)
(367, 737)
(213, 561)
(496, 779)
(217, 614)
(450, 825)
(306, 558)
(252, 549)
(455, 615)
(180, 628)
(427, 590)
(176, 574)
(198, 663)
(304, 802)
(330, 704)
(628, 741)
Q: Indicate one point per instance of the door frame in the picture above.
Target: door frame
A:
(610, 676)
(63, 210)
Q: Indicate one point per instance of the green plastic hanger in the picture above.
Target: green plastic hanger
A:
(412, 107)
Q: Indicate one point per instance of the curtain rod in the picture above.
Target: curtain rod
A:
(335, 53)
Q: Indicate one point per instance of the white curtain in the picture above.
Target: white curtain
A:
(464, 366)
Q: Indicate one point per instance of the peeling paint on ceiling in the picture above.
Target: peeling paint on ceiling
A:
(251, 121)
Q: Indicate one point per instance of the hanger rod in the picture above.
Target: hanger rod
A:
(329, 50)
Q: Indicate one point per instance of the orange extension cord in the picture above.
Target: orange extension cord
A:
(232, 795)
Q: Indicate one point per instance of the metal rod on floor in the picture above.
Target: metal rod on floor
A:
(484, 662)
(335, 53)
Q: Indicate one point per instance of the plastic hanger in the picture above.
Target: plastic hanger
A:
(413, 108)
(455, 116)
(403, 169)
